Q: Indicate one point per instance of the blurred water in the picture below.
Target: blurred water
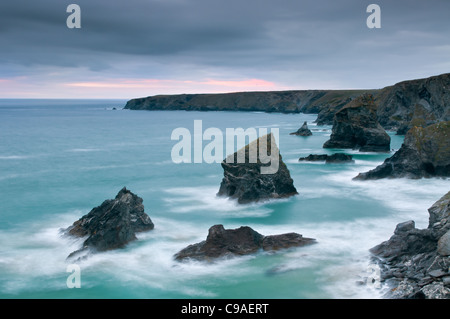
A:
(61, 158)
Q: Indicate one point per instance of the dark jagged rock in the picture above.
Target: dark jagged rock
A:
(415, 262)
(355, 126)
(425, 152)
(303, 130)
(223, 242)
(113, 224)
(259, 180)
(335, 158)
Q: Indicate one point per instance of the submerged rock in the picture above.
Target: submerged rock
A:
(415, 261)
(257, 176)
(113, 224)
(355, 126)
(223, 242)
(425, 152)
(335, 158)
(302, 131)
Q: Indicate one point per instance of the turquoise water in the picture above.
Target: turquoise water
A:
(61, 158)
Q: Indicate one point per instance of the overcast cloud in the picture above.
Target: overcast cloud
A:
(133, 48)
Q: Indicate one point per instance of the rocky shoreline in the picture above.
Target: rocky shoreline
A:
(415, 263)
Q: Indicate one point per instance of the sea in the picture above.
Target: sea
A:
(61, 158)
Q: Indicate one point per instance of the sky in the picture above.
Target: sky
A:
(136, 48)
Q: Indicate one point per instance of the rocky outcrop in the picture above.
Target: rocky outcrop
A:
(355, 126)
(415, 262)
(425, 152)
(252, 175)
(303, 130)
(335, 158)
(401, 106)
(223, 243)
(113, 224)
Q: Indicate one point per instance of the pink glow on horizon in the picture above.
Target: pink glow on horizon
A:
(189, 85)
(128, 88)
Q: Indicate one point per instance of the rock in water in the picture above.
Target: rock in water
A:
(223, 242)
(356, 126)
(425, 152)
(251, 175)
(303, 131)
(335, 158)
(416, 261)
(113, 224)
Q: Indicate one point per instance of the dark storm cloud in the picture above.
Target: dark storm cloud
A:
(157, 27)
(279, 40)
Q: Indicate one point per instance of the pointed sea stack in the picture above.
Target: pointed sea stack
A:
(113, 224)
(253, 174)
(355, 126)
(302, 131)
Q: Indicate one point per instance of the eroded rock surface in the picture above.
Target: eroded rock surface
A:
(113, 224)
(415, 262)
(355, 126)
(256, 179)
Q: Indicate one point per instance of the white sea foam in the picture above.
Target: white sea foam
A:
(194, 199)
(84, 150)
(410, 198)
(12, 157)
(149, 262)
(34, 260)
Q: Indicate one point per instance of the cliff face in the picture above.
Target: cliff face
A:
(406, 104)
(306, 101)
(425, 99)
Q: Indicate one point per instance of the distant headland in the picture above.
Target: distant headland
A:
(419, 102)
